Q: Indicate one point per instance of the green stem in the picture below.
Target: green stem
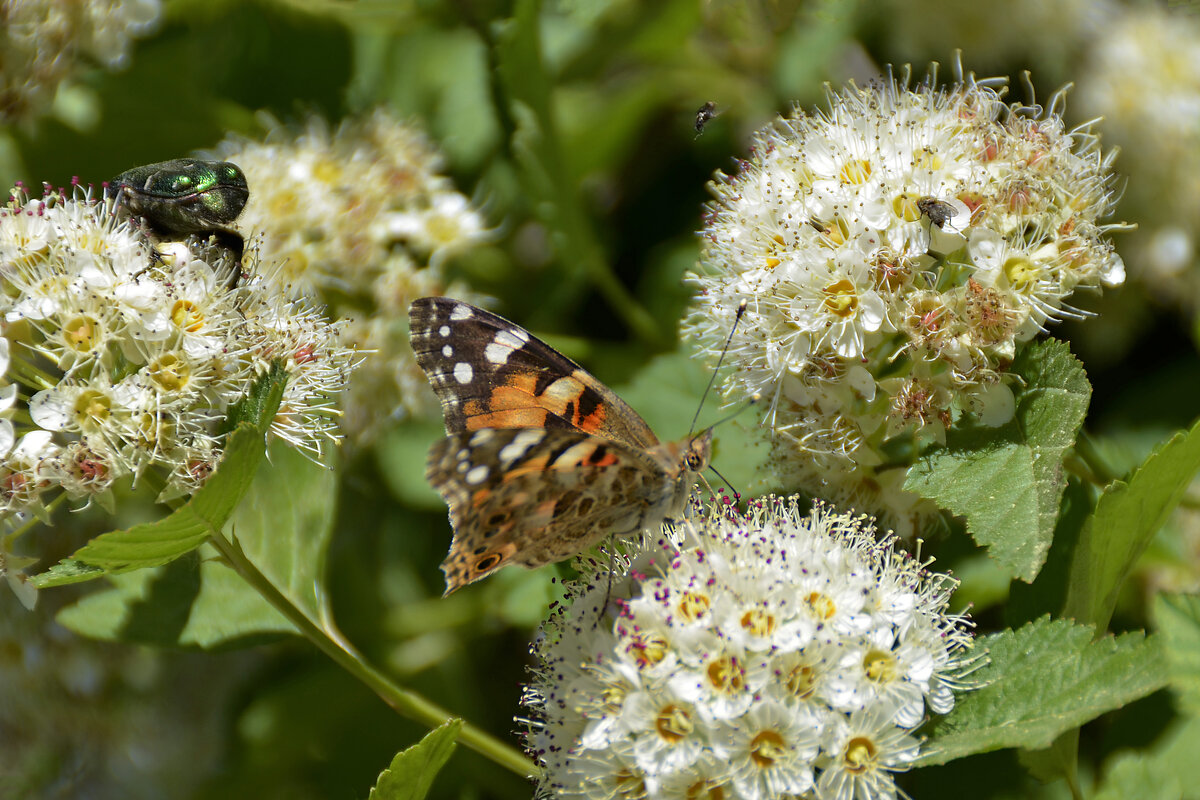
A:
(24, 371)
(1101, 472)
(37, 519)
(332, 643)
(521, 80)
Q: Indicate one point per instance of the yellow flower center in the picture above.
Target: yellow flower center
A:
(170, 372)
(1021, 272)
(187, 316)
(879, 666)
(92, 407)
(613, 697)
(758, 622)
(929, 161)
(706, 789)
(833, 234)
(726, 675)
(801, 681)
(673, 723)
(648, 648)
(822, 605)
(905, 207)
(693, 605)
(767, 748)
(152, 430)
(629, 786)
(327, 171)
(855, 171)
(841, 299)
(859, 754)
(80, 334)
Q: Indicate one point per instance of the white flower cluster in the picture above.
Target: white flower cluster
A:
(363, 218)
(893, 252)
(775, 655)
(128, 360)
(1143, 76)
(44, 41)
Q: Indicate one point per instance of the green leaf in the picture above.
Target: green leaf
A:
(1042, 680)
(66, 572)
(1046, 595)
(1059, 760)
(1007, 481)
(1164, 771)
(1126, 518)
(992, 485)
(412, 771)
(187, 603)
(285, 526)
(1178, 618)
(163, 541)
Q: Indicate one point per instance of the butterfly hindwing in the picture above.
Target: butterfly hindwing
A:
(537, 496)
(491, 373)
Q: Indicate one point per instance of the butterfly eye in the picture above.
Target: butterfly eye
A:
(488, 562)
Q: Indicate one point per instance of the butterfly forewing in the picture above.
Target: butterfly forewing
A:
(491, 373)
(541, 460)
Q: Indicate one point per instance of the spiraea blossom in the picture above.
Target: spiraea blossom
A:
(770, 655)
(362, 218)
(1143, 76)
(125, 360)
(46, 42)
(894, 251)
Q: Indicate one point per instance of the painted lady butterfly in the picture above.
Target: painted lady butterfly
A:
(541, 460)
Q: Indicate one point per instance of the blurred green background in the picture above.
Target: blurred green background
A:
(612, 178)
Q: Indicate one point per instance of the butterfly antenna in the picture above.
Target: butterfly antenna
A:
(736, 494)
(754, 400)
(741, 310)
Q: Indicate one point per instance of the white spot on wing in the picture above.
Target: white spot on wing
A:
(503, 345)
(460, 312)
(497, 354)
(514, 336)
(519, 446)
(482, 436)
(463, 372)
(447, 350)
(478, 474)
(444, 331)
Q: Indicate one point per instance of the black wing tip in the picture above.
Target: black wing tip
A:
(422, 306)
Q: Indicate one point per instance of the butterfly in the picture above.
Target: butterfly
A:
(541, 460)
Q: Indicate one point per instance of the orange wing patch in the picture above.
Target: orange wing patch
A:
(520, 402)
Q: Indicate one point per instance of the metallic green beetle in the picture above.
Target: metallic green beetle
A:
(186, 196)
(183, 196)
